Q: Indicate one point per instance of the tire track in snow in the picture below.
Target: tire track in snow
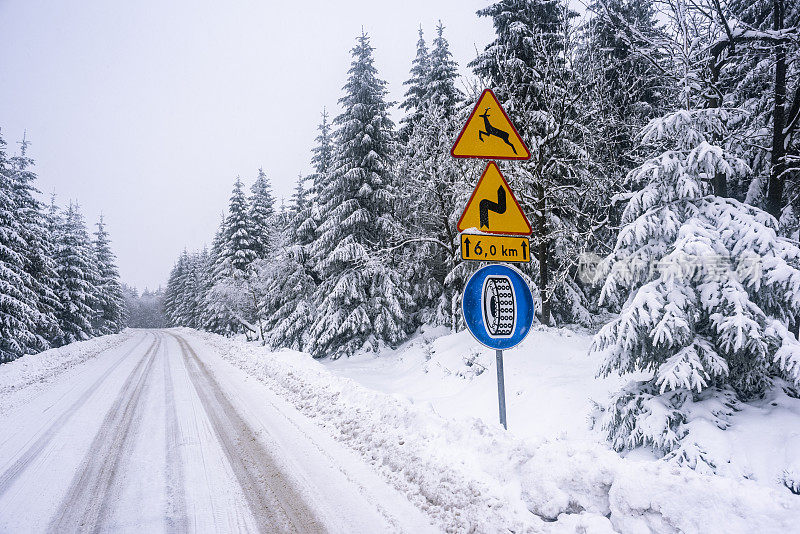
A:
(176, 515)
(274, 504)
(391, 520)
(93, 491)
(32, 453)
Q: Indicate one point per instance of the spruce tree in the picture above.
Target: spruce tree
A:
(441, 90)
(299, 201)
(76, 268)
(706, 285)
(625, 76)
(172, 294)
(261, 215)
(362, 299)
(18, 310)
(239, 243)
(437, 180)
(417, 88)
(322, 158)
(287, 283)
(214, 316)
(525, 30)
(322, 161)
(192, 285)
(203, 318)
(110, 313)
(38, 252)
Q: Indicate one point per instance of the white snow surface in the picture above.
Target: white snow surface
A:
(159, 434)
(426, 421)
(551, 385)
(25, 377)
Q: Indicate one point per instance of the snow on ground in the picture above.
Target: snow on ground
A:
(548, 379)
(425, 418)
(550, 384)
(23, 378)
(159, 434)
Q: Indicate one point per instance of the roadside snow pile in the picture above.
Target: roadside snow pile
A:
(39, 369)
(757, 440)
(550, 385)
(472, 477)
(549, 379)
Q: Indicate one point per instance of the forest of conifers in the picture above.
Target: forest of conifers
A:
(662, 191)
(57, 284)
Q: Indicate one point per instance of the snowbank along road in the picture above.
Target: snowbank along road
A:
(159, 434)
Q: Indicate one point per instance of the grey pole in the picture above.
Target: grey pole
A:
(501, 389)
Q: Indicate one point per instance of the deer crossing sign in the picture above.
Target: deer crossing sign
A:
(489, 134)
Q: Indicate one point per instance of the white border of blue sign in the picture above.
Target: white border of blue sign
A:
(472, 308)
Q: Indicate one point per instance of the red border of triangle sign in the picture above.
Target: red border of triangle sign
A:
(494, 147)
(491, 136)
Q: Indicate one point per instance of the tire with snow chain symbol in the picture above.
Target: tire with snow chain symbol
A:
(498, 306)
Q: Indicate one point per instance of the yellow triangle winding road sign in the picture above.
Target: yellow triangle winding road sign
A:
(492, 208)
(489, 134)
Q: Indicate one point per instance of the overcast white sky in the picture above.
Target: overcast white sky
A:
(146, 111)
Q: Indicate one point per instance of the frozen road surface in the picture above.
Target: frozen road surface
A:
(159, 434)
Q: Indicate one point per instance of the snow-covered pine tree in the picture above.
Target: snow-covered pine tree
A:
(229, 298)
(618, 54)
(109, 309)
(362, 299)
(441, 90)
(322, 161)
(417, 88)
(239, 244)
(193, 289)
(261, 214)
(173, 293)
(520, 25)
(282, 216)
(204, 319)
(77, 272)
(184, 296)
(706, 285)
(38, 252)
(528, 67)
(214, 316)
(287, 283)
(433, 188)
(53, 219)
(322, 155)
(620, 64)
(18, 306)
(299, 200)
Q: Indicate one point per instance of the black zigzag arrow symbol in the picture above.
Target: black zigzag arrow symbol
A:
(487, 205)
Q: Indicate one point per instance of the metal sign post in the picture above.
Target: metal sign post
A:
(501, 389)
(498, 311)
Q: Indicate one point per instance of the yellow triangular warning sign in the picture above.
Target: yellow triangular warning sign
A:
(492, 208)
(489, 134)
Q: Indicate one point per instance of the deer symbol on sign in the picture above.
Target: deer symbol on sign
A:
(492, 131)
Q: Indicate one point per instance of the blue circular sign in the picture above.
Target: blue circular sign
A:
(498, 306)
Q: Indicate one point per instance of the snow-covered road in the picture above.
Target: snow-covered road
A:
(159, 433)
